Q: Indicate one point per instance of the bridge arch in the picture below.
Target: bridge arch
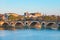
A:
(51, 25)
(19, 25)
(35, 24)
(5, 25)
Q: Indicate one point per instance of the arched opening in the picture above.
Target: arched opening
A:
(26, 25)
(19, 25)
(5, 26)
(43, 25)
(35, 25)
(51, 26)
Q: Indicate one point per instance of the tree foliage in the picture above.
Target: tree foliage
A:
(12, 18)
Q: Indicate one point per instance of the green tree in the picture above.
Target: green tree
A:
(53, 18)
(20, 17)
(12, 18)
(47, 18)
(58, 18)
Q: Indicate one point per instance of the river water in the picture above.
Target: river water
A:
(29, 34)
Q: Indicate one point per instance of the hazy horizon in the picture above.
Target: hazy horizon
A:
(49, 7)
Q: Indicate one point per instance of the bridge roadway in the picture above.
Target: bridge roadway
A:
(32, 24)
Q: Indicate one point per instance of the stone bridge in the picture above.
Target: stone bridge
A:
(32, 24)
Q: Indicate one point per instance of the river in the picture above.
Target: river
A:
(29, 34)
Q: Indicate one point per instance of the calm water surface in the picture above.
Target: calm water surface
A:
(30, 35)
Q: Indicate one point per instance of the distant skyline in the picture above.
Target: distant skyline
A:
(49, 7)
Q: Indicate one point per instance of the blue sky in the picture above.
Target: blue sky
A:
(49, 7)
